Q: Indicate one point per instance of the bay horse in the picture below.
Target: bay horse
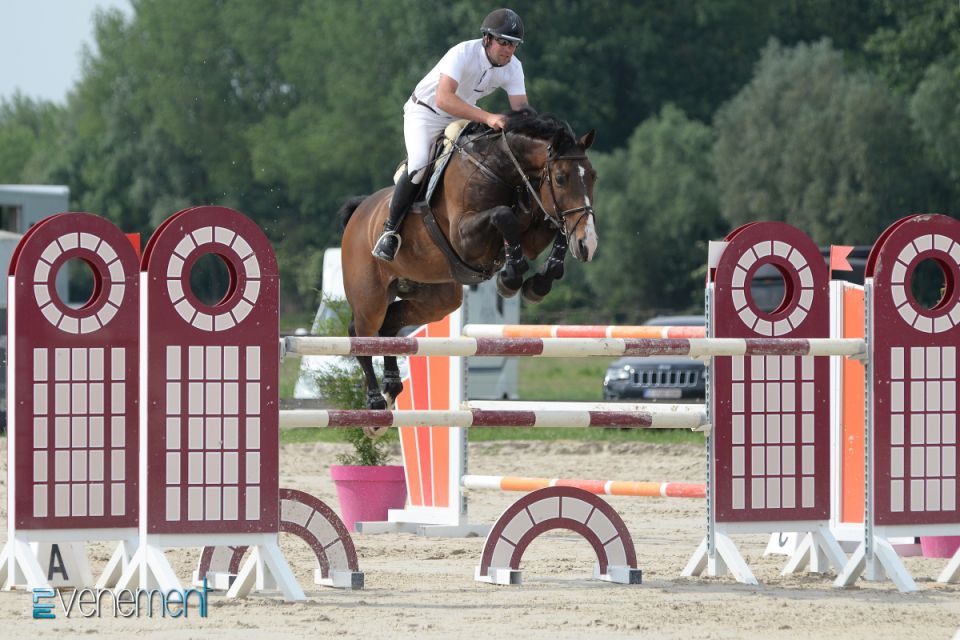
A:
(504, 197)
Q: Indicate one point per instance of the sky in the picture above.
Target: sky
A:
(41, 42)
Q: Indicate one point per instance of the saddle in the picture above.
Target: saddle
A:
(440, 157)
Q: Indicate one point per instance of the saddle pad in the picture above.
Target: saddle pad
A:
(450, 136)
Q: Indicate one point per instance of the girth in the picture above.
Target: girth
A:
(460, 271)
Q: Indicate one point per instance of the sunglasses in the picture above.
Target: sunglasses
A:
(503, 42)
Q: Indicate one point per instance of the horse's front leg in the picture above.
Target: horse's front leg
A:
(538, 286)
(510, 278)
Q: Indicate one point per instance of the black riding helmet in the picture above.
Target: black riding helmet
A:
(503, 23)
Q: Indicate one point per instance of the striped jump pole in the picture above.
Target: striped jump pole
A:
(580, 331)
(599, 487)
(536, 405)
(573, 347)
(474, 418)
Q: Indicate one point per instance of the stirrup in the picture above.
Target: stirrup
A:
(380, 249)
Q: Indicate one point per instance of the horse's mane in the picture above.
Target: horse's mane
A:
(543, 126)
(540, 126)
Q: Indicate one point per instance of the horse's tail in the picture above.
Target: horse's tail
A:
(347, 210)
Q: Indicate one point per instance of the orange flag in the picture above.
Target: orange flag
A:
(134, 239)
(838, 258)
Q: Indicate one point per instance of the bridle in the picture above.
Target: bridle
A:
(558, 218)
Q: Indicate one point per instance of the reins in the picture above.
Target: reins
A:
(546, 174)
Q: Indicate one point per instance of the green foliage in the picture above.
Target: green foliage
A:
(658, 206)
(813, 143)
(29, 131)
(935, 109)
(342, 385)
(917, 34)
(283, 109)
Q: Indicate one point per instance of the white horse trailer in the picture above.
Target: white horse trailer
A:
(22, 206)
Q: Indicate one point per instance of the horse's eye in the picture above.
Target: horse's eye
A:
(561, 179)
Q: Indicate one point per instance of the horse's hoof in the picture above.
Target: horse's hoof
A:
(391, 401)
(507, 289)
(376, 402)
(392, 388)
(375, 433)
(533, 293)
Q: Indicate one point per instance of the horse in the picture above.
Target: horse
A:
(504, 197)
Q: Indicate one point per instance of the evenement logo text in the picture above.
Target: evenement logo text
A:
(125, 603)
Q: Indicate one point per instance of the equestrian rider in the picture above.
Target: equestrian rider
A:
(469, 71)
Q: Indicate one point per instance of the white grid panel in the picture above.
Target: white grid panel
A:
(79, 432)
(923, 429)
(216, 460)
(773, 435)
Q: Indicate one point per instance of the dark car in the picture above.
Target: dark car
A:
(669, 378)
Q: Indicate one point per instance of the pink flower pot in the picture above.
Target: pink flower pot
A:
(367, 493)
(939, 546)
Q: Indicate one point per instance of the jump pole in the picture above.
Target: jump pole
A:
(477, 418)
(580, 331)
(572, 347)
(599, 487)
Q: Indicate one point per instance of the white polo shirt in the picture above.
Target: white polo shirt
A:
(467, 63)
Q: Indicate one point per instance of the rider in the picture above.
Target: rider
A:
(469, 71)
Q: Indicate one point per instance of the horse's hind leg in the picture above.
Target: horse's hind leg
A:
(392, 386)
(375, 399)
(422, 303)
(537, 286)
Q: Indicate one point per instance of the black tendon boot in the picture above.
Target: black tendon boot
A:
(404, 194)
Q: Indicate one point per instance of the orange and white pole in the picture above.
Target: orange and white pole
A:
(599, 487)
(580, 331)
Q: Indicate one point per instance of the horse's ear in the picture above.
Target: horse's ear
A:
(587, 139)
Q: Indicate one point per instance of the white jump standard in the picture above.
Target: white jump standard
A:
(769, 455)
(148, 417)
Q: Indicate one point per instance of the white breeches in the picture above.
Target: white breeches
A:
(421, 128)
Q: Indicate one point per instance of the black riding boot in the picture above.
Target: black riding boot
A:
(404, 194)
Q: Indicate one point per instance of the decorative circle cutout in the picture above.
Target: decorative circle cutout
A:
(944, 315)
(928, 283)
(109, 283)
(242, 264)
(83, 284)
(210, 279)
(798, 288)
(768, 289)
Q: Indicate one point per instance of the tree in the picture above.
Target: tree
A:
(919, 34)
(28, 137)
(658, 208)
(810, 142)
(919, 54)
(283, 109)
(935, 109)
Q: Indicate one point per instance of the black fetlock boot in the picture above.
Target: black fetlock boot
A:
(404, 194)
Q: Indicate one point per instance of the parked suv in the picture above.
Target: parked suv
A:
(669, 378)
